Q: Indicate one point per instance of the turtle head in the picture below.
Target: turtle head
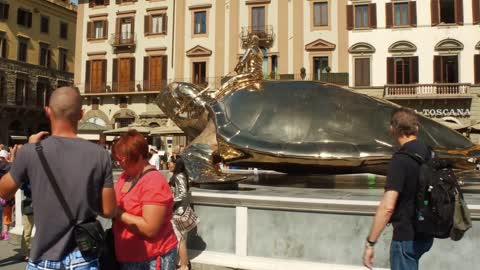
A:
(184, 104)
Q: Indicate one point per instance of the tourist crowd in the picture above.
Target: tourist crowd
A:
(67, 183)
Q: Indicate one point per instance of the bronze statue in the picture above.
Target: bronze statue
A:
(293, 126)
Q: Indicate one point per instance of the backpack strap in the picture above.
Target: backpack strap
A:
(413, 156)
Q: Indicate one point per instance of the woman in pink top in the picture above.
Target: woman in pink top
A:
(144, 236)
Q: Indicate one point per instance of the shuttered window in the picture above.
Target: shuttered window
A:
(94, 3)
(3, 47)
(156, 24)
(476, 11)
(401, 14)
(445, 69)
(446, 12)
(155, 72)
(362, 16)
(96, 76)
(402, 70)
(97, 29)
(362, 71)
(22, 50)
(123, 74)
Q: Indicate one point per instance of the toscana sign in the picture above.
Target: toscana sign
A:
(445, 112)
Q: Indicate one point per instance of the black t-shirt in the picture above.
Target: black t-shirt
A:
(402, 177)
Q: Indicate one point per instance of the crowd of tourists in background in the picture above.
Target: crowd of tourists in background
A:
(151, 216)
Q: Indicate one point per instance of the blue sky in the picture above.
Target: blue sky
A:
(75, 1)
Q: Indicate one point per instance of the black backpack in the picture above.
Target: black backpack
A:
(438, 198)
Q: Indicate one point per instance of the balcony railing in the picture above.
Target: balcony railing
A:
(263, 32)
(123, 39)
(427, 90)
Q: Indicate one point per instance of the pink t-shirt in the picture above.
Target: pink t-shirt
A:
(151, 189)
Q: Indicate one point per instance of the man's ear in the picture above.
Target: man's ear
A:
(48, 112)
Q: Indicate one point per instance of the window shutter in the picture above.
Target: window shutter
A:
(117, 27)
(164, 70)
(132, 74)
(107, 2)
(89, 30)
(372, 13)
(104, 73)
(29, 19)
(115, 75)
(388, 15)
(476, 11)
(5, 11)
(437, 69)
(165, 23)
(477, 68)
(105, 29)
(90, 4)
(349, 17)
(414, 69)
(87, 76)
(146, 73)
(118, 2)
(390, 71)
(148, 18)
(132, 29)
(434, 12)
(459, 11)
(413, 13)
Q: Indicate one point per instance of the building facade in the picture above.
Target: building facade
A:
(129, 50)
(37, 48)
(423, 54)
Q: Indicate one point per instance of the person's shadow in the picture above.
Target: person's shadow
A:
(14, 259)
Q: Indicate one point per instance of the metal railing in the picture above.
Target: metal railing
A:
(263, 32)
(440, 89)
(123, 39)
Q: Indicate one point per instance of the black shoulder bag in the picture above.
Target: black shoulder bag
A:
(89, 236)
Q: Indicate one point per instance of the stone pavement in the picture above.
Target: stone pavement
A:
(9, 259)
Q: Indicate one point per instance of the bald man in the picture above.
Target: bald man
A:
(83, 173)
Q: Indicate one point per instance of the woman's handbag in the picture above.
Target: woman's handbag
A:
(186, 221)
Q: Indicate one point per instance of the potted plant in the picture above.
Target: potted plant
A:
(303, 73)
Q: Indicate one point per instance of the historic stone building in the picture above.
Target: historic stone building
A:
(37, 48)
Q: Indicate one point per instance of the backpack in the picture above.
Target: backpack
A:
(441, 211)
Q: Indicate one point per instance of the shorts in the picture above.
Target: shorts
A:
(7, 215)
(167, 262)
(73, 261)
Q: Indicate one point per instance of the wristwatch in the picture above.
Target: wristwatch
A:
(370, 243)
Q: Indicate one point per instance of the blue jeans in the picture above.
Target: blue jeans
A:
(167, 262)
(72, 261)
(404, 255)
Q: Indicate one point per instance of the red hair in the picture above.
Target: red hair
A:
(132, 146)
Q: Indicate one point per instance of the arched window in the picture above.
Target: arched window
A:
(362, 53)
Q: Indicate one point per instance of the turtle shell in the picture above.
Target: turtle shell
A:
(291, 125)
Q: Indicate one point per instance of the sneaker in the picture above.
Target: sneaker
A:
(1, 236)
(5, 236)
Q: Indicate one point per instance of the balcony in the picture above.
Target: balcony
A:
(117, 88)
(126, 40)
(427, 91)
(263, 32)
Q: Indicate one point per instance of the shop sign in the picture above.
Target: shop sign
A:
(445, 112)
